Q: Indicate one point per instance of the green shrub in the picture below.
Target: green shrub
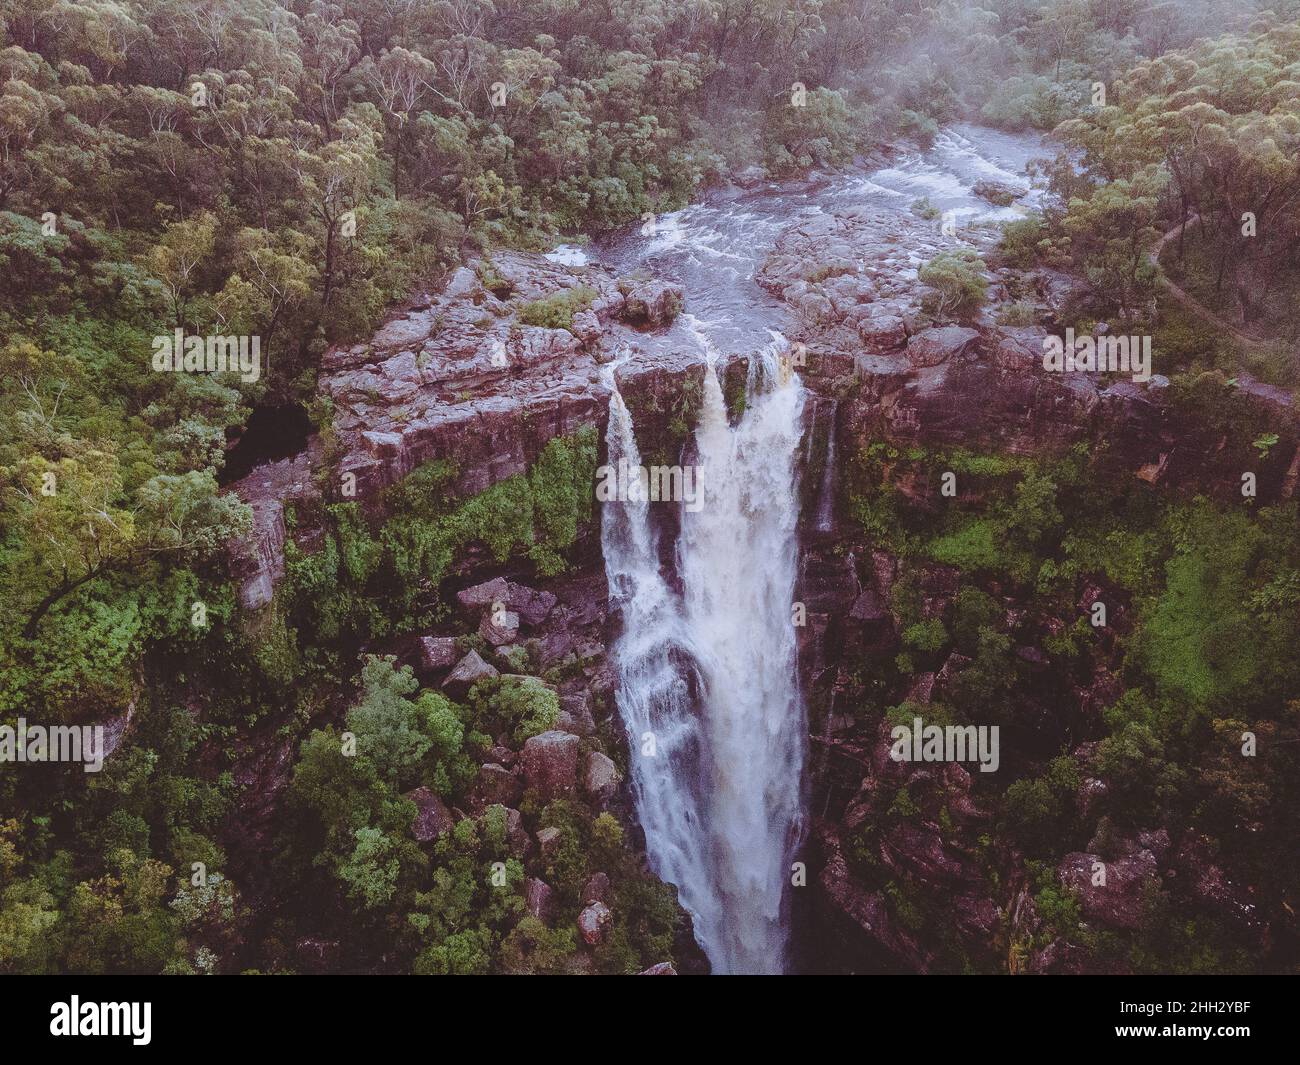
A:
(957, 285)
(556, 311)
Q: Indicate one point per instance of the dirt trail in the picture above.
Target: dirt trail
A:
(1193, 306)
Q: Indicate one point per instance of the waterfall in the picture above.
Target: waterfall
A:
(711, 675)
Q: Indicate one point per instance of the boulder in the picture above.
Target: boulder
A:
(654, 303)
(516, 834)
(593, 922)
(664, 968)
(577, 707)
(601, 778)
(537, 898)
(437, 653)
(532, 606)
(930, 347)
(997, 193)
(496, 784)
(484, 595)
(866, 913)
(469, 671)
(882, 332)
(1119, 902)
(1217, 892)
(548, 839)
(586, 327)
(595, 889)
(550, 763)
(432, 818)
(869, 607)
(499, 626)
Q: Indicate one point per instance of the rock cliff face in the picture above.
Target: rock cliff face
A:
(460, 375)
(464, 376)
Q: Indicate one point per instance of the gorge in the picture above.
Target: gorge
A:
(750, 487)
(740, 708)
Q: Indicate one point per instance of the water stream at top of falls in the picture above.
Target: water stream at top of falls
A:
(707, 658)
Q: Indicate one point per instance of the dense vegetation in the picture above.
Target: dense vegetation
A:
(287, 170)
(1201, 604)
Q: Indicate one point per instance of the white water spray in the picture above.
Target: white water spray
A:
(711, 676)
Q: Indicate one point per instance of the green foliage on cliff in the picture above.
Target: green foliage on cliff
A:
(375, 578)
(1192, 659)
(520, 706)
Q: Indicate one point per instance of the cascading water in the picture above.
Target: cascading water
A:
(709, 672)
(710, 677)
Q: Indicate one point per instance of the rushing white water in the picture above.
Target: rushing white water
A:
(712, 674)
(707, 657)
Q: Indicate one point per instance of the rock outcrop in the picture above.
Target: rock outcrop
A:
(550, 762)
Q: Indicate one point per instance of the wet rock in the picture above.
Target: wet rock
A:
(997, 193)
(550, 764)
(653, 302)
(664, 968)
(469, 671)
(867, 912)
(257, 560)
